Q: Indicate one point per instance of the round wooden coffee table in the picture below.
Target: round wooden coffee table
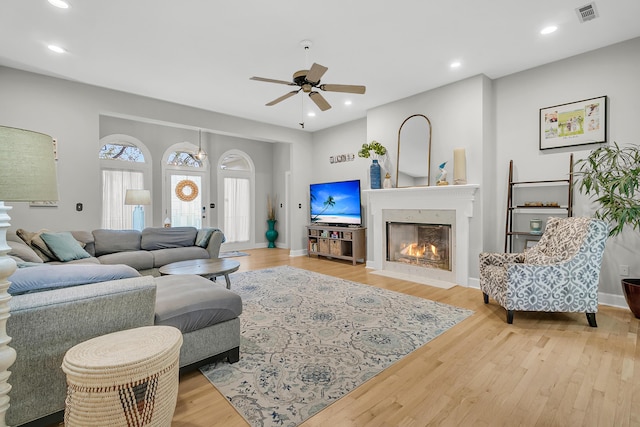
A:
(209, 268)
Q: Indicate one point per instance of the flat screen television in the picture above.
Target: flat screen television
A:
(336, 203)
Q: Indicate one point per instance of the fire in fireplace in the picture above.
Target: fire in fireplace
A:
(424, 245)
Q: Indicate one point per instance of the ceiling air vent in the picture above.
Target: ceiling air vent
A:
(587, 12)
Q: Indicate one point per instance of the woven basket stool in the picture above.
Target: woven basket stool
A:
(126, 378)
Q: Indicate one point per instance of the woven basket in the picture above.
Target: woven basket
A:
(127, 378)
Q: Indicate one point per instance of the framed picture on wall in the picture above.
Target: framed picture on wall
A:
(577, 123)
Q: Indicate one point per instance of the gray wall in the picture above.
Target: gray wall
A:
(612, 71)
(497, 121)
(73, 114)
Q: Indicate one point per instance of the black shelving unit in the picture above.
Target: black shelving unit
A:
(555, 209)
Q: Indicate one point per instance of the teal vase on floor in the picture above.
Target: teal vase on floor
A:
(272, 233)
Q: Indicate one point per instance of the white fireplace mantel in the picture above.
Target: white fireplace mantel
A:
(458, 198)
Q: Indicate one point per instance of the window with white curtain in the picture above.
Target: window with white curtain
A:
(124, 165)
(237, 209)
(236, 183)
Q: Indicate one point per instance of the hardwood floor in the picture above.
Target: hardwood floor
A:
(544, 370)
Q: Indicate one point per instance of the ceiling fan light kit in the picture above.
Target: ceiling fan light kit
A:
(307, 81)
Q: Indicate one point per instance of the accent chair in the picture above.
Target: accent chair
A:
(559, 274)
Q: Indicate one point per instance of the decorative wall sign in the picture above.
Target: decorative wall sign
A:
(577, 123)
(340, 158)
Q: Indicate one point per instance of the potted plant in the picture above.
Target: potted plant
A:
(272, 233)
(611, 174)
(374, 170)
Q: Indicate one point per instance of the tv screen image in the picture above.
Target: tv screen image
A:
(336, 203)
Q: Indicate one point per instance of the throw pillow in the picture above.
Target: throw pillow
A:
(32, 238)
(23, 251)
(203, 236)
(64, 246)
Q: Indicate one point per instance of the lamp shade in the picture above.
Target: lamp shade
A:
(27, 166)
(137, 197)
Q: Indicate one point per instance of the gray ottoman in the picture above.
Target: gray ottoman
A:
(207, 315)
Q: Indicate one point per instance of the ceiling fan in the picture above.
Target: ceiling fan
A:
(308, 80)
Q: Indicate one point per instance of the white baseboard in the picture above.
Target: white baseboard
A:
(299, 252)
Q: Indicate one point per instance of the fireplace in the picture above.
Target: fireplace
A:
(447, 208)
(423, 245)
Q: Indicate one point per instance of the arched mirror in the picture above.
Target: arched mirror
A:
(414, 152)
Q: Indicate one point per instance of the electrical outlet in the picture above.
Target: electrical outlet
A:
(624, 270)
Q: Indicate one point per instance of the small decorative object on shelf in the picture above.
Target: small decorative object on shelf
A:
(535, 225)
(387, 181)
(374, 170)
(441, 179)
(459, 166)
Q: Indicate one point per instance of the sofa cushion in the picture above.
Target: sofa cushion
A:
(32, 238)
(112, 241)
(163, 238)
(64, 246)
(23, 252)
(190, 302)
(86, 240)
(47, 277)
(165, 256)
(140, 260)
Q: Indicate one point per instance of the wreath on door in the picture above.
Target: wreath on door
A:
(190, 194)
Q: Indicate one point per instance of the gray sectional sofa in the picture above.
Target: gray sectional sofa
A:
(146, 251)
(81, 299)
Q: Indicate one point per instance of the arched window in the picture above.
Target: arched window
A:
(185, 186)
(236, 189)
(125, 165)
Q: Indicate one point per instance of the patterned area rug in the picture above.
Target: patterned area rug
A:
(308, 339)
(232, 254)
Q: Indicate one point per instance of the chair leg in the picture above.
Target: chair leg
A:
(591, 318)
(486, 298)
(510, 317)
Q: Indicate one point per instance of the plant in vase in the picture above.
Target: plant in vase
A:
(376, 150)
(611, 173)
(272, 233)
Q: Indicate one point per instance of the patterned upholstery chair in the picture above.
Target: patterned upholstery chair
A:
(559, 274)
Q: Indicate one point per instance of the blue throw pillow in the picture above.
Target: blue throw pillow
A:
(64, 246)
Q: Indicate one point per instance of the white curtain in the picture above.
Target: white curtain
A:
(115, 183)
(237, 205)
(186, 214)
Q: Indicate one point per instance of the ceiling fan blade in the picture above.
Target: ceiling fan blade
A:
(320, 101)
(262, 79)
(344, 88)
(316, 72)
(283, 97)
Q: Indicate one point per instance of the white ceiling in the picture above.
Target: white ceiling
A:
(202, 53)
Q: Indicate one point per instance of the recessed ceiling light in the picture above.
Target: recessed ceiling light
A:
(311, 114)
(60, 3)
(56, 49)
(548, 30)
(347, 102)
(455, 64)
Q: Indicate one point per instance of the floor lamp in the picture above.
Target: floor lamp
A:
(27, 173)
(139, 198)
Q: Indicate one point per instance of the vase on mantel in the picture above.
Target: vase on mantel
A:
(272, 233)
(374, 174)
